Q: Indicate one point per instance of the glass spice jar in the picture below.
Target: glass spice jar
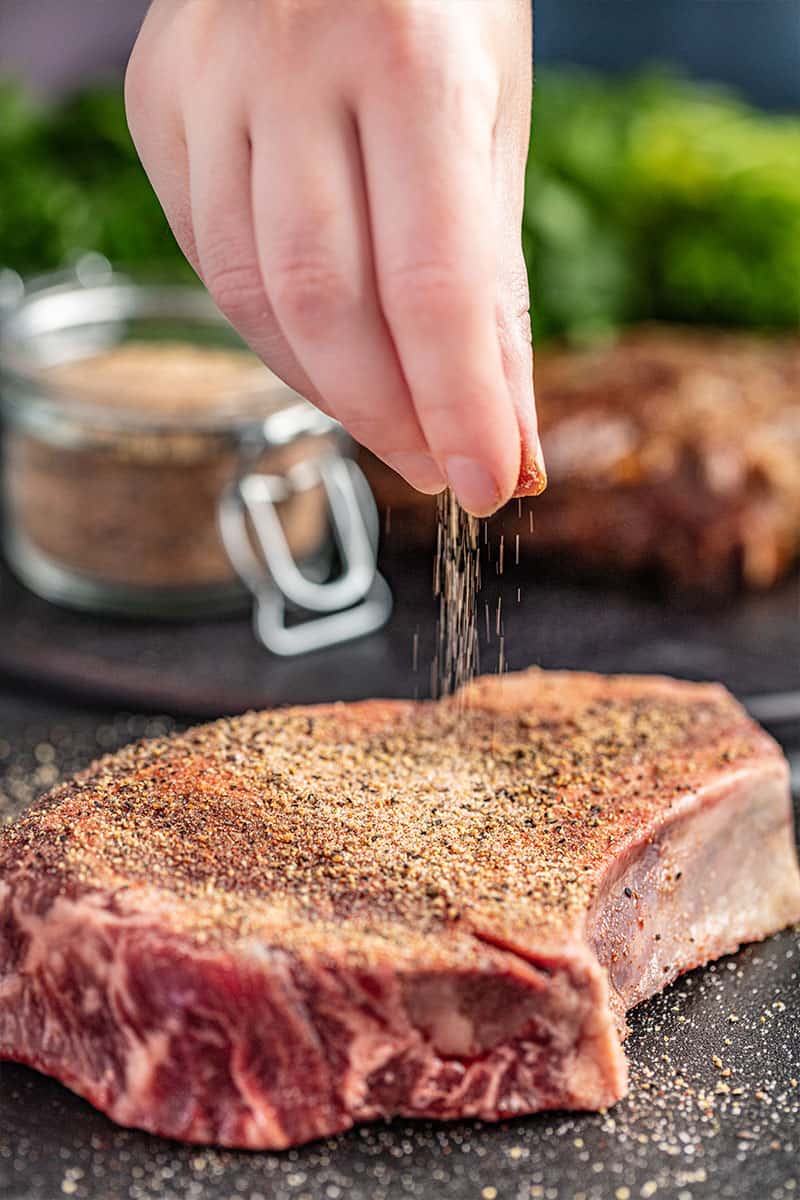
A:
(153, 466)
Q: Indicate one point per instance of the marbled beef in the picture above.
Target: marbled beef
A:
(267, 929)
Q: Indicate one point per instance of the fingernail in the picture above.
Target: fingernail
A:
(541, 466)
(473, 485)
(532, 472)
(420, 470)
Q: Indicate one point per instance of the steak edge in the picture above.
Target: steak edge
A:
(268, 929)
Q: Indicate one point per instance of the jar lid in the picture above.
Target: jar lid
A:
(111, 352)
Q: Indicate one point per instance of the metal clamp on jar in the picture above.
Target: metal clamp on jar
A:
(154, 467)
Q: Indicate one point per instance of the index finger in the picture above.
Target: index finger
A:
(428, 165)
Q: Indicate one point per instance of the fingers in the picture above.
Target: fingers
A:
(514, 332)
(512, 134)
(313, 248)
(199, 165)
(153, 113)
(220, 173)
(428, 162)
(366, 258)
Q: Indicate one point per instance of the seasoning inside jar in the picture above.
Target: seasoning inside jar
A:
(113, 481)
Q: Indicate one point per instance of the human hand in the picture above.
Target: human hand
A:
(347, 180)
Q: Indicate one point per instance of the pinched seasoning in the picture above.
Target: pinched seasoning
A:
(456, 584)
(374, 824)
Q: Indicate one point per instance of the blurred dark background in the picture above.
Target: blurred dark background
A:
(753, 45)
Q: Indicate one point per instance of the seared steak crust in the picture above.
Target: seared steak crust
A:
(269, 928)
(678, 451)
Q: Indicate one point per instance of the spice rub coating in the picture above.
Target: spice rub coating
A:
(268, 929)
(395, 818)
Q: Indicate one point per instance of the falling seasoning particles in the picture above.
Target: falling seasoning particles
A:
(456, 584)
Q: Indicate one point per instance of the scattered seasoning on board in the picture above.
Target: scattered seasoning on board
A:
(672, 1135)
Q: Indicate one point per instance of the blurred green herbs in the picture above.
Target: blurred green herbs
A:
(648, 198)
(656, 198)
(71, 182)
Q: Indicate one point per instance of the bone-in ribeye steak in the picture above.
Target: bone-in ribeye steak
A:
(267, 929)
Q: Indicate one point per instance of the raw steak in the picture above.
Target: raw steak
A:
(270, 928)
(671, 451)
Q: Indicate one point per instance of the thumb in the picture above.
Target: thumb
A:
(512, 137)
(514, 334)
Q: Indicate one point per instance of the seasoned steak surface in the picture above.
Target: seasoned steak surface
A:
(435, 909)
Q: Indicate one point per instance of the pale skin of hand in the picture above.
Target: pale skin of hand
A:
(346, 177)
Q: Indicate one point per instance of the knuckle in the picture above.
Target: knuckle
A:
(421, 49)
(524, 328)
(516, 287)
(309, 292)
(513, 315)
(516, 346)
(514, 325)
(235, 285)
(412, 53)
(426, 289)
(409, 39)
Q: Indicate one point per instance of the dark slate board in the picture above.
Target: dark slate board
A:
(49, 1139)
(207, 668)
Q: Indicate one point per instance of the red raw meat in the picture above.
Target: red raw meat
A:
(270, 928)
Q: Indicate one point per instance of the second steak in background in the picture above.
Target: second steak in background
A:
(670, 451)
